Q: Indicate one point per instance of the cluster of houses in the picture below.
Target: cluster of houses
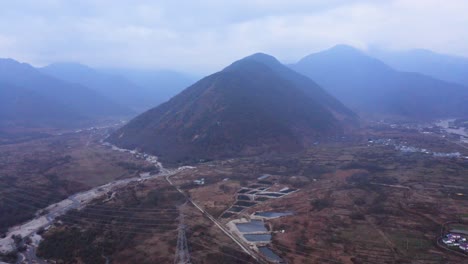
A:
(456, 240)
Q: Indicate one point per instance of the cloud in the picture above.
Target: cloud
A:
(6, 42)
(204, 36)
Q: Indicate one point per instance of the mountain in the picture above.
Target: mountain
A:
(370, 86)
(117, 88)
(441, 66)
(24, 108)
(42, 90)
(160, 84)
(253, 106)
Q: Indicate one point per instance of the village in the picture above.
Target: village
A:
(458, 241)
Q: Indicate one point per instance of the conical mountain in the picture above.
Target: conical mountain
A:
(370, 86)
(253, 106)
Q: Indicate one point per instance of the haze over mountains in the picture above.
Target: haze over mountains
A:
(24, 108)
(72, 94)
(372, 87)
(255, 105)
(32, 92)
(115, 87)
(441, 66)
(160, 85)
(138, 90)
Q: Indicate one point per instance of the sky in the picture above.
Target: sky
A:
(206, 35)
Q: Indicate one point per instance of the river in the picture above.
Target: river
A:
(457, 131)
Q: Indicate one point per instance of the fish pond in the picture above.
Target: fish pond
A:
(252, 226)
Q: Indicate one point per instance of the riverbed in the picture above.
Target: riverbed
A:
(77, 201)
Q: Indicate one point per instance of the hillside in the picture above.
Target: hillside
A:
(25, 108)
(372, 87)
(113, 86)
(74, 98)
(255, 105)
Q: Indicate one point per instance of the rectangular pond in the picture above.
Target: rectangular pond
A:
(245, 203)
(273, 214)
(236, 209)
(258, 237)
(243, 197)
(269, 254)
(252, 226)
(271, 194)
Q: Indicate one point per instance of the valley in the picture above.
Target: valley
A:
(355, 199)
(233, 132)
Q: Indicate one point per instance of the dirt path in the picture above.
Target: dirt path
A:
(387, 241)
(246, 249)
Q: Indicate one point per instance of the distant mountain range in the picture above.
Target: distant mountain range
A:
(253, 106)
(370, 86)
(72, 94)
(37, 98)
(444, 67)
(138, 90)
(21, 107)
(160, 85)
(114, 87)
(424, 85)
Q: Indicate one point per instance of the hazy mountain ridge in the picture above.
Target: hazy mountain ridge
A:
(253, 106)
(115, 87)
(370, 86)
(161, 85)
(24, 108)
(49, 95)
(441, 66)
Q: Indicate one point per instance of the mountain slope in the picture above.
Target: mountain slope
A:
(115, 87)
(79, 99)
(370, 86)
(444, 67)
(24, 108)
(255, 105)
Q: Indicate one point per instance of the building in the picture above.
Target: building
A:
(454, 236)
(448, 241)
(456, 240)
(464, 246)
(199, 182)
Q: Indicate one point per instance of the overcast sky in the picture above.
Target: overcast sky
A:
(206, 35)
